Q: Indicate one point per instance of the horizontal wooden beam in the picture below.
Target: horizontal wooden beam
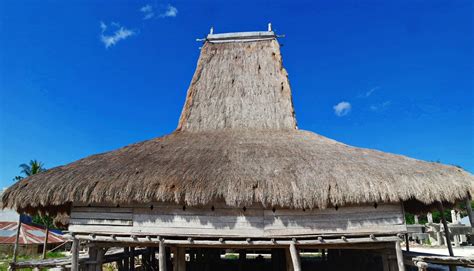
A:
(221, 242)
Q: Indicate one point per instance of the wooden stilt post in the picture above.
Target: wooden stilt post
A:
(45, 243)
(295, 257)
(152, 258)
(100, 259)
(398, 251)
(132, 258)
(179, 259)
(75, 255)
(446, 229)
(242, 259)
(469, 211)
(288, 261)
(92, 258)
(126, 262)
(162, 255)
(17, 240)
(385, 262)
(407, 242)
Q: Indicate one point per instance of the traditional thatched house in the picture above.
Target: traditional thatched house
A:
(238, 173)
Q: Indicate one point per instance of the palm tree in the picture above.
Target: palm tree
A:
(32, 168)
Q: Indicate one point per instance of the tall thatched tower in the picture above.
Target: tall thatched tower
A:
(238, 173)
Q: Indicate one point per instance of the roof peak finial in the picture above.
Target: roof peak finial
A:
(269, 27)
(211, 31)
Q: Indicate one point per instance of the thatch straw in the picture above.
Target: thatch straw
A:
(237, 141)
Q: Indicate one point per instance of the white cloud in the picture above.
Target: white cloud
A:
(368, 93)
(121, 33)
(381, 106)
(342, 109)
(170, 12)
(148, 12)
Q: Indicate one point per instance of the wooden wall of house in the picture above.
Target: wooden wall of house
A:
(224, 221)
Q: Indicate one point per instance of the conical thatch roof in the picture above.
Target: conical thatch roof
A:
(237, 141)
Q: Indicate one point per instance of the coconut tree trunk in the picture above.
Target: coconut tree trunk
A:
(45, 244)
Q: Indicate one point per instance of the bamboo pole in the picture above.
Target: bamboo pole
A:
(446, 229)
(295, 257)
(17, 240)
(162, 255)
(398, 250)
(75, 255)
(45, 243)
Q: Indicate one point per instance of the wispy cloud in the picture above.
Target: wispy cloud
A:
(380, 106)
(170, 12)
(342, 108)
(147, 11)
(371, 91)
(120, 33)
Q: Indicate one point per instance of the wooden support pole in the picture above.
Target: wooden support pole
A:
(179, 259)
(132, 258)
(45, 243)
(100, 259)
(162, 255)
(469, 210)
(92, 258)
(17, 240)
(407, 242)
(126, 262)
(446, 229)
(242, 259)
(398, 251)
(75, 255)
(295, 257)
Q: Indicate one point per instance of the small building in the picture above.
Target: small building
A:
(238, 174)
(31, 238)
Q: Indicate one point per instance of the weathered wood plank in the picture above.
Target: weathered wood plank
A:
(170, 219)
(101, 215)
(105, 222)
(102, 209)
(100, 229)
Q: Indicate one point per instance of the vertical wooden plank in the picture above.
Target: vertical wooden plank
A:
(75, 255)
(162, 255)
(398, 251)
(17, 240)
(295, 257)
(446, 229)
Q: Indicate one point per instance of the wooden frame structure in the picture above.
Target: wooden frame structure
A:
(163, 225)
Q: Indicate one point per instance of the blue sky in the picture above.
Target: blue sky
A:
(83, 77)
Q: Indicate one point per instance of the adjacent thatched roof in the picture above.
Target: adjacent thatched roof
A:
(237, 141)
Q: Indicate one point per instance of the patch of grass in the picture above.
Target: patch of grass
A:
(231, 256)
(6, 259)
